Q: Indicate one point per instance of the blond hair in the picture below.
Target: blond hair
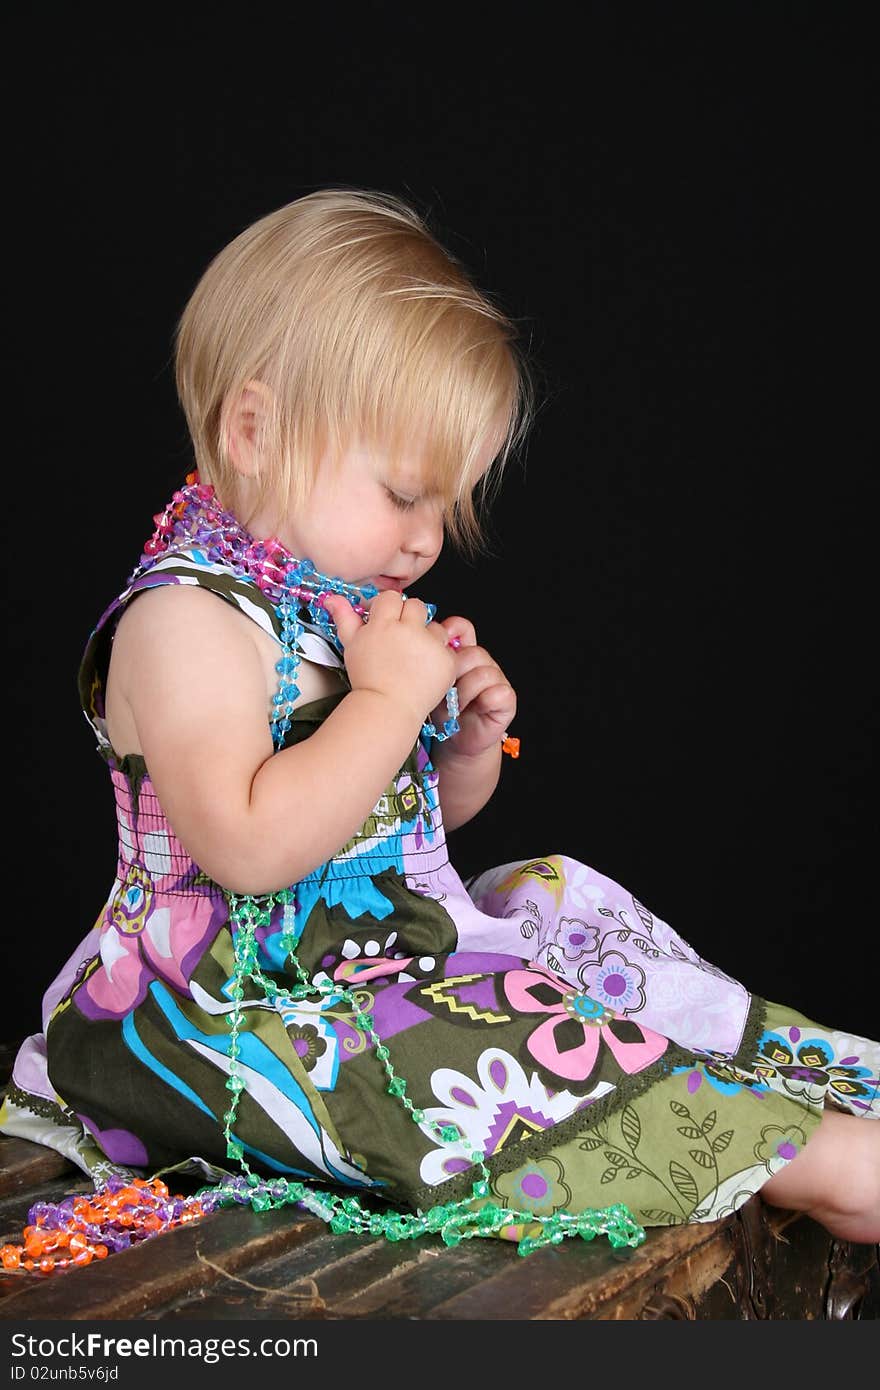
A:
(347, 307)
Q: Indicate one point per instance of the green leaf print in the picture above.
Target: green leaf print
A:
(622, 1162)
(709, 1122)
(684, 1182)
(700, 1156)
(631, 1127)
(690, 1131)
(720, 1143)
(666, 1218)
(616, 1158)
(678, 1109)
(590, 1144)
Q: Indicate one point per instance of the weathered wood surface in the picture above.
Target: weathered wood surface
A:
(237, 1264)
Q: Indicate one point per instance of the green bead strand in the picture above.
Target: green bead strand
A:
(473, 1216)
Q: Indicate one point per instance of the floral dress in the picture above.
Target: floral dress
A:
(539, 1010)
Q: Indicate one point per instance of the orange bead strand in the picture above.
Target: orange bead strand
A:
(132, 1209)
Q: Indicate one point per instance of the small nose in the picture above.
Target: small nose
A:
(425, 533)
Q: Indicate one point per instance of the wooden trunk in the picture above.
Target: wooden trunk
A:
(236, 1264)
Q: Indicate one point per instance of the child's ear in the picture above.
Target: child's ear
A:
(245, 426)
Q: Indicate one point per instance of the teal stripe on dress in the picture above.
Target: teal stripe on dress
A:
(134, 1042)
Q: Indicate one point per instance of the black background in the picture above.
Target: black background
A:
(672, 201)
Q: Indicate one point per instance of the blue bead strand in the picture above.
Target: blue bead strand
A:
(287, 667)
(450, 724)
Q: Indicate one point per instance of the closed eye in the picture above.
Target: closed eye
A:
(404, 504)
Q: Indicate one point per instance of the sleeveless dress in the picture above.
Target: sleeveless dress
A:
(539, 1008)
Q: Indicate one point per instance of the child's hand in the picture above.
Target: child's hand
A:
(486, 699)
(396, 653)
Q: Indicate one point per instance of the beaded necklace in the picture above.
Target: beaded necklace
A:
(76, 1231)
(194, 519)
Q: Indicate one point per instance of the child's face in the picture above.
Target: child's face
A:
(365, 523)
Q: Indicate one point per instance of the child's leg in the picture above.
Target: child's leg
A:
(835, 1179)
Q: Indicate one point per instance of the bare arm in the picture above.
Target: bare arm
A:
(466, 784)
(255, 820)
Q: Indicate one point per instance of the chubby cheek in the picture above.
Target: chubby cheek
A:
(364, 544)
(376, 533)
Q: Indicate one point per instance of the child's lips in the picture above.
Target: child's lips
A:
(388, 581)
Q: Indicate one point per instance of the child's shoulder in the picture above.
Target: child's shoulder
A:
(176, 639)
(163, 616)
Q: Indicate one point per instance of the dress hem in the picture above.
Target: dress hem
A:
(582, 1121)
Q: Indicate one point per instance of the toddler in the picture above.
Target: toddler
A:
(290, 992)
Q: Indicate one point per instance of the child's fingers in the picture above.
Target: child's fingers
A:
(414, 611)
(415, 614)
(468, 658)
(347, 621)
(459, 632)
(482, 690)
(386, 607)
